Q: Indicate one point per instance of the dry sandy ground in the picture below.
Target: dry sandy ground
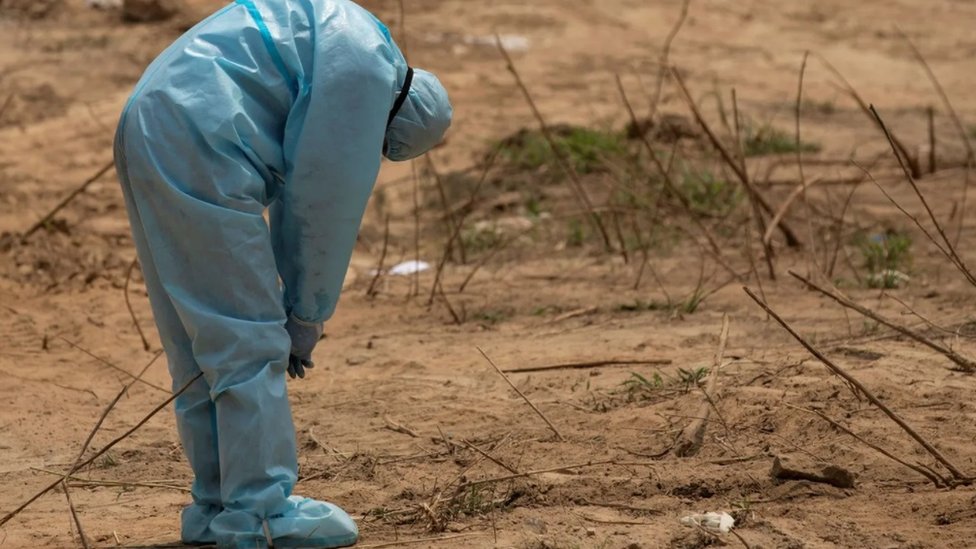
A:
(385, 421)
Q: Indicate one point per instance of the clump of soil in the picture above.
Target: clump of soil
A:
(148, 11)
(29, 9)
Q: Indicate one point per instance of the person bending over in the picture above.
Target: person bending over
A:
(278, 105)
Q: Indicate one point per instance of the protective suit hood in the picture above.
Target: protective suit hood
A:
(422, 120)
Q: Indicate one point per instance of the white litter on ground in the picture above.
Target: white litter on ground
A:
(511, 42)
(409, 268)
(716, 523)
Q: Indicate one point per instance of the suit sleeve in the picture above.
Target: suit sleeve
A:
(333, 146)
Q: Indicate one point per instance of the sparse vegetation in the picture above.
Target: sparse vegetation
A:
(493, 316)
(689, 305)
(768, 140)
(639, 387)
(693, 301)
(547, 310)
(886, 258)
(480, 238)
(691, 377)
(586, 148)
(107, 461)
(709, 193)
(576, 233)
(474, 501)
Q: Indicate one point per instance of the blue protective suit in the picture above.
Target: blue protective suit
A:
(267, 104)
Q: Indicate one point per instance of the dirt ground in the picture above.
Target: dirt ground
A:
(388, 421)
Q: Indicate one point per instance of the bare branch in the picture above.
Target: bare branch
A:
(837, 370)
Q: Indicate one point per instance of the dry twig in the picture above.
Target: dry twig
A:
(399, 428)
(416, 541)
(573, 314)
(6, 518)
(665, 59)
(900, 149)
(74, 516)
(837, 370)
(558, 154)
(564, 468)
(590, 364)
(950, 250)
(521, 394)
(128, 304)
(757, 214)
(459, 225)
(956, 120)
(740, 172)
(453, 224)
(665, 174)
(402, 42)
(690, 440)
(937, 480)
(415, 279)
(428, 509)
(67, 200)
(372, 291)
(491, 458)
(75, 481)
(964, 363)
(622, 506)
(800, 190)
(118, 368)
(799, 163)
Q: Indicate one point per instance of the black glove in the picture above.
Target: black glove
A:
(304, 337)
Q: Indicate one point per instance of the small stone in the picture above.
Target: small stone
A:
(356, 360)
(591, 532)
(797, 468)
(838, 476)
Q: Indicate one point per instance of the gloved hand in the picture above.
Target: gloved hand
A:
(304, 337)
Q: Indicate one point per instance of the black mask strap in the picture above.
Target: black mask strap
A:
(402, 98)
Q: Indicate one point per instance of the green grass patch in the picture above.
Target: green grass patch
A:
(768, 140)
(586, 149)
(691, 377)
(886, 258)
(493, 316)
(709, 193)
(479, 239)
(577, 233)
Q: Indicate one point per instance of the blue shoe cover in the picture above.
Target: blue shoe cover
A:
(305, 523)
(195, 521)
(312, 524)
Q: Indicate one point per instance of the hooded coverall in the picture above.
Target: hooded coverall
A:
(278, 105)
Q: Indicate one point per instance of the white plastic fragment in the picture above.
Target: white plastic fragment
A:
(408, 268)
(716, 523)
